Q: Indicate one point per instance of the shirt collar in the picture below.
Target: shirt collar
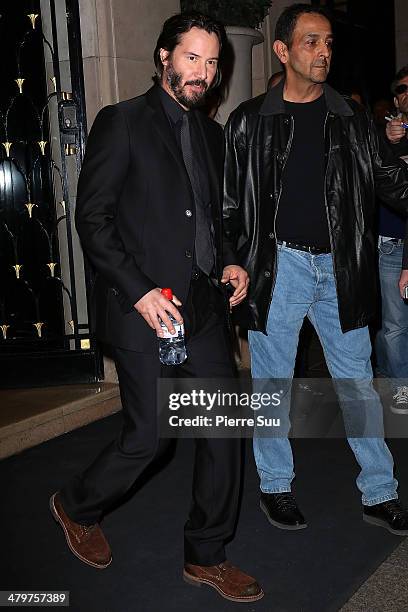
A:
(274, 104)
(172, 108)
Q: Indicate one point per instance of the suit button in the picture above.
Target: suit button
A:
(267, 274)
(188, 254)
(271, 235)
(271, 195)
(188, 213)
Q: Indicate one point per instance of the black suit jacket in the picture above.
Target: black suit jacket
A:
(132, 214)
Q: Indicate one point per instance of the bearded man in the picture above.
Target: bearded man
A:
(149, 216)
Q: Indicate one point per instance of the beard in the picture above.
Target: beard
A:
(192, 100)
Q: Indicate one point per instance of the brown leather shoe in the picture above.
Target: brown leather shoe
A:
(87, 542)
(228, 580)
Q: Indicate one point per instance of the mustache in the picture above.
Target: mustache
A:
(197, 82)
(321, 65)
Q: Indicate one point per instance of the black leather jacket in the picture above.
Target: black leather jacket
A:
(258, 139)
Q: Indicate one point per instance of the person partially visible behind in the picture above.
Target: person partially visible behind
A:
(391, 342)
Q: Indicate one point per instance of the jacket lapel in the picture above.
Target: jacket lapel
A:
(163, 129)
(214, 177)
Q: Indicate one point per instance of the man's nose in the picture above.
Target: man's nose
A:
(201, 71)
(324, 50)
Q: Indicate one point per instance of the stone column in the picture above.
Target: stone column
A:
(118, 40)
(240, 84)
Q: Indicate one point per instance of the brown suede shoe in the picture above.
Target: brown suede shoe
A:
(87, 542)
(228, 580)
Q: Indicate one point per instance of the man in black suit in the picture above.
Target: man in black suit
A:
(149, 216)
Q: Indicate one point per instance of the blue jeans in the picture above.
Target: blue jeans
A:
(305, 286)
(391, 343)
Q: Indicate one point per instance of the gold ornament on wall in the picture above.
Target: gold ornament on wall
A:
(42, 144)
(30, 207)
(51, 266)
(32, 17)
(72, 325)
(7, 146)
(20, 84)
(38, 327)
(17, 269)
(4, 329)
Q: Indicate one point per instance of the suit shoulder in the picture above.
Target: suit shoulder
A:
(124, 107)
(132, 104)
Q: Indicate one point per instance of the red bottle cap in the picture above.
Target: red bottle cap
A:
(168, 293)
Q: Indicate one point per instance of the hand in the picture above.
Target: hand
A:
(403, 282)
(394, 130)
(239, 279)
(154, 305)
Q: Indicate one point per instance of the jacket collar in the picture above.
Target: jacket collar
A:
(274, 103)
(163, 129)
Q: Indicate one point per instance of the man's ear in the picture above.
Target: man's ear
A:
(164, 56)
(281, 51)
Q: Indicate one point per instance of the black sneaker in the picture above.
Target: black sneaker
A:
(400, 401)
(390, 515)
(282, 511)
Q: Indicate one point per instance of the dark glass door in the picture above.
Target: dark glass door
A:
(44, 328)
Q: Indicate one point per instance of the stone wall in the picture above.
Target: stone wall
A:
(118, 39)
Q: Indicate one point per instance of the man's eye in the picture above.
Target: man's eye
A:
(192, 58)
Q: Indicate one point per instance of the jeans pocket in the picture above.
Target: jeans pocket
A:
(386, 248)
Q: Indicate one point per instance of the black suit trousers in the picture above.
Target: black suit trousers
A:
(217, 462)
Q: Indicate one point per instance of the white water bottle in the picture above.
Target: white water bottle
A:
(172, 349)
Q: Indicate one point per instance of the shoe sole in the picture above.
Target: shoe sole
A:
(58, 520)
(280, 525)
(197, 582)
(380, 523)
(398, 410)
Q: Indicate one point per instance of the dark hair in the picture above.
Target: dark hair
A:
(401, 74)
(179, 24)
(286, 23)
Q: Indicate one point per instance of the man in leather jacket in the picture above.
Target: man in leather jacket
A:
(302, 168)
